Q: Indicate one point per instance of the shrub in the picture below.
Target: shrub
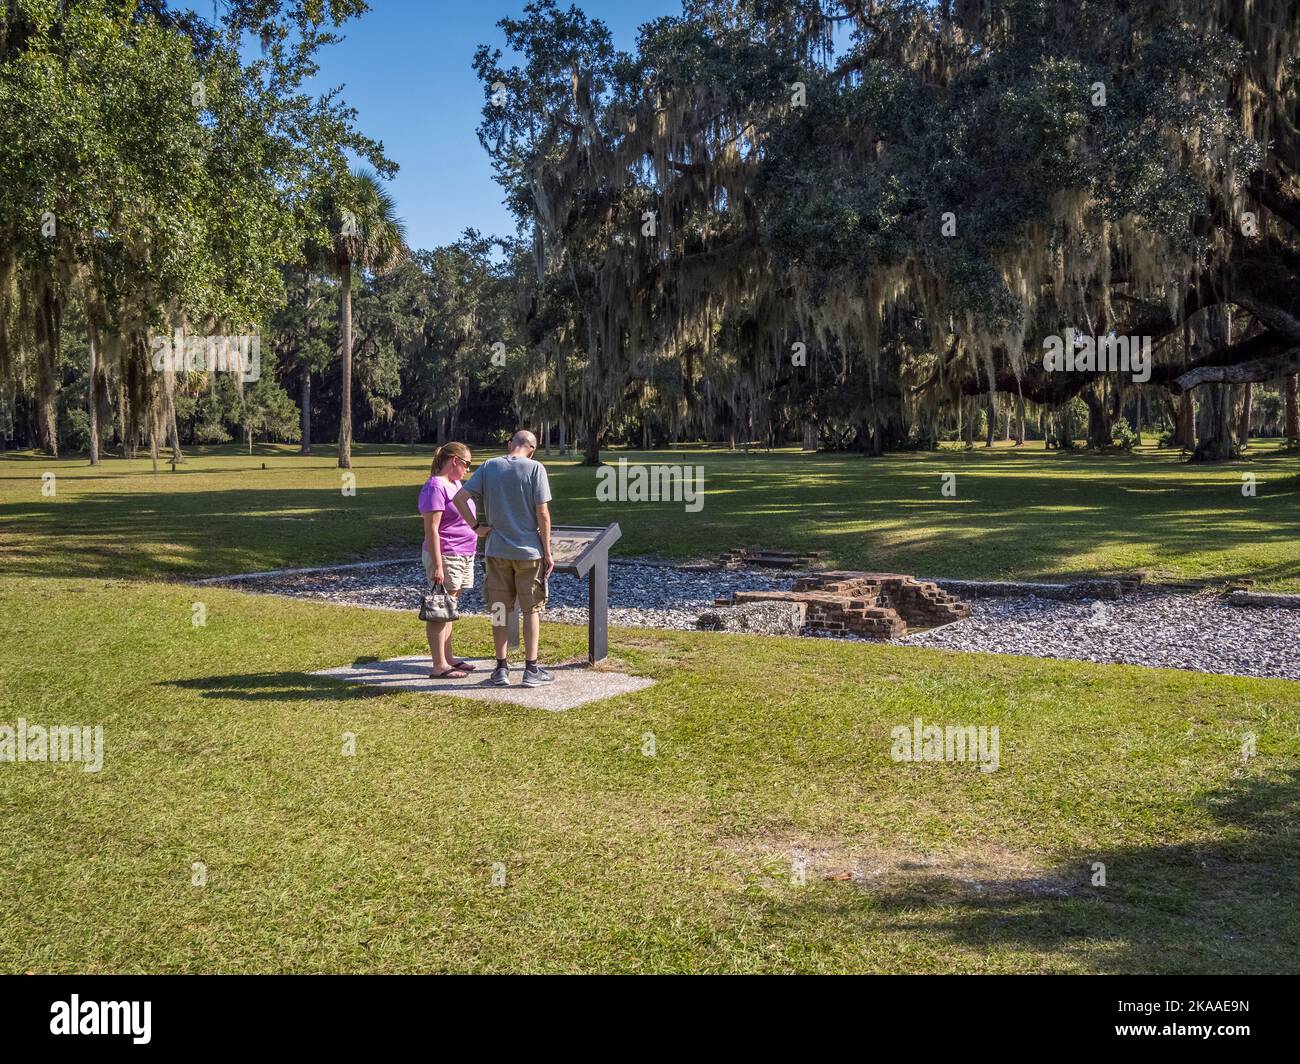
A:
(1122, 434)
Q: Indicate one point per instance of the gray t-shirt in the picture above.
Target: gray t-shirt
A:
(511, 488)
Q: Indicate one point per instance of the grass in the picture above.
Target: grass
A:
(1018, 514)
(221, 749)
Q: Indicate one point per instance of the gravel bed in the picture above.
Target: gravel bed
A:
(640, 595)
(1196, 632)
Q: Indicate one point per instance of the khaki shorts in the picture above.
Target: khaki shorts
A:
(457, 568)
(508, 579)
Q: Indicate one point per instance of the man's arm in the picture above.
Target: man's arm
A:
(544, 533)
(461, 501)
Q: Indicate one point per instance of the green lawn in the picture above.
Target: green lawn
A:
(220, 749)
(1018, 514)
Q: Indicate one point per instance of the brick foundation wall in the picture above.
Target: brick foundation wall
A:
(875, 605)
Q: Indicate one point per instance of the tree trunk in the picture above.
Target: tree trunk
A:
(862, 438)
(305, 403)
(564, 436)
(155, 424)
(991, 430)
(1100, 426)
(47, 355)
(1214, 425)
(591, 444)
(121, 412)
(173, 431)
(810, 435)
(1064, 428)
(968, 429)
(1096, 416)
(1185, 436)
(345, 376)
(167, 412)
(1214, 421)
(92, 345)
(1292, 388)
(1243, 427)
(1185, 429)
(1020, 421)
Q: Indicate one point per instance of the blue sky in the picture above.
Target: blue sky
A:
(405, 67)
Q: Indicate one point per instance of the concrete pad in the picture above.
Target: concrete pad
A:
(575, 684)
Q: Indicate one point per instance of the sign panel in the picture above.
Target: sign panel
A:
(567, 546)
(576, 548)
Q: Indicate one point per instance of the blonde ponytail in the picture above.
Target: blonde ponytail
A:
(447, 450)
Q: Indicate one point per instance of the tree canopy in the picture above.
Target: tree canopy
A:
(918, 193)
(859, 223)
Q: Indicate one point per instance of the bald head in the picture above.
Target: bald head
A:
(523, 440)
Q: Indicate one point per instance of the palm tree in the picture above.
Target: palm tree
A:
(369, 237)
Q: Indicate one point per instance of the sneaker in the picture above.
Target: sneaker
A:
(538, 677)
(500, 677)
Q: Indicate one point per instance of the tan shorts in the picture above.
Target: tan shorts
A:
(508, 579)
(457, 568)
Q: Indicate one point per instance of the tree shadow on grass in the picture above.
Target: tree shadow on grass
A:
(160, 534)
(278, 687)
(1015, 518)
(1227, 905)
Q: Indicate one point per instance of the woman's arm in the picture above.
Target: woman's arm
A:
(432, 522)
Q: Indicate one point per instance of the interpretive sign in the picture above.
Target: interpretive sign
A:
(583, 551)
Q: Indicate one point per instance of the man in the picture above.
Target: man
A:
(512, 493)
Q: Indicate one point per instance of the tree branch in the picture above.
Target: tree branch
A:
(1266, 188)
(1252, 372)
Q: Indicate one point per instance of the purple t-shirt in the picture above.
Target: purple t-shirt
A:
(454, 535)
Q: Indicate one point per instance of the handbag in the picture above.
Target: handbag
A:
(437, 605)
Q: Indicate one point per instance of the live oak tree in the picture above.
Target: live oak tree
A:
(919, 207)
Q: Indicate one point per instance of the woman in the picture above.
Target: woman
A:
(448, 554)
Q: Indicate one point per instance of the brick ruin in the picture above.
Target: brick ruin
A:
(875, 605)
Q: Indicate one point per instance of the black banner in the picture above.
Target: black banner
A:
(339, 1012)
